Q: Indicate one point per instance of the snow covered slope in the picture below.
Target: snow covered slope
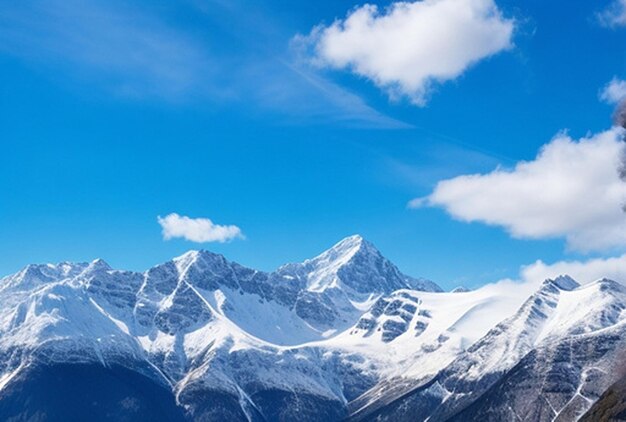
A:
(549, 361)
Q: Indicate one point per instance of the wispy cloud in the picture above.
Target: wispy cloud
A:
(614, 15)
(435, 161)
(199, 230)
(411, 46)
(308, 97)
(106, 42)
(133, 51)
(584, 272)
(532, 275)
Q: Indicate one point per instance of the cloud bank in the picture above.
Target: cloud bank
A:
(572, 190)
(584, 272)
(410, 46)
(531, 277)
(199, 230)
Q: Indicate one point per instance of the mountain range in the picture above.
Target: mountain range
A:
(342, 336)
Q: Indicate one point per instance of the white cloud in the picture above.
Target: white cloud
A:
(584, 272)
(532, 276)
(572, 189)
(614, 15)
(412, 45)
(198, 230)
(614, 92)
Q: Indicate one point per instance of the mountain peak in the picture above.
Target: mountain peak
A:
(355, 239)
(35, 274)
(324, 269)
(195, 256)
(563, 282)
(344, 250)
(355, 264)
(608, 284)
(99, 264)
(350, 245)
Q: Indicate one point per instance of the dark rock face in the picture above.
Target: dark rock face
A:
(187, 309)
(552, 383)
(392, 329)
(281, 405)
(391, 315)
(610, 407)
(541, 387)
(210, 405)
(369, 272)
(162, 279)
(78, 392)
(118, 288)
(316, 308)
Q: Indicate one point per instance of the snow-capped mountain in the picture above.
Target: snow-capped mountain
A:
(549, 361)
(344, 335)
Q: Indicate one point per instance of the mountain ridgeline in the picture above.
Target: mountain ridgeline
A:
(342, 336)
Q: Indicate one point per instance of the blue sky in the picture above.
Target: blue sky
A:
(113, 114)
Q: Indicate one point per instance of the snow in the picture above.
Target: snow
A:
(8, 376)
(324, 268)
(269, 320)
(577, 310)
(461, 318)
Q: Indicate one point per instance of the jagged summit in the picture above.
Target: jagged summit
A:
(196, 254)
(343, 251)
(35, 274)
(354, 265)
(99, 264)
(352, 245)
(608, 284)
(196, 258)
(460, 289)
(563, 282)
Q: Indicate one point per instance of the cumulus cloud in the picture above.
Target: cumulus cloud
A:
(513, 292)
(614, 15)
(572, 189)
(584, 272)
(614, 92)
(410, 46)
(198, 230)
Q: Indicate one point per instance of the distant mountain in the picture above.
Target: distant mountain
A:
(344, 335)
